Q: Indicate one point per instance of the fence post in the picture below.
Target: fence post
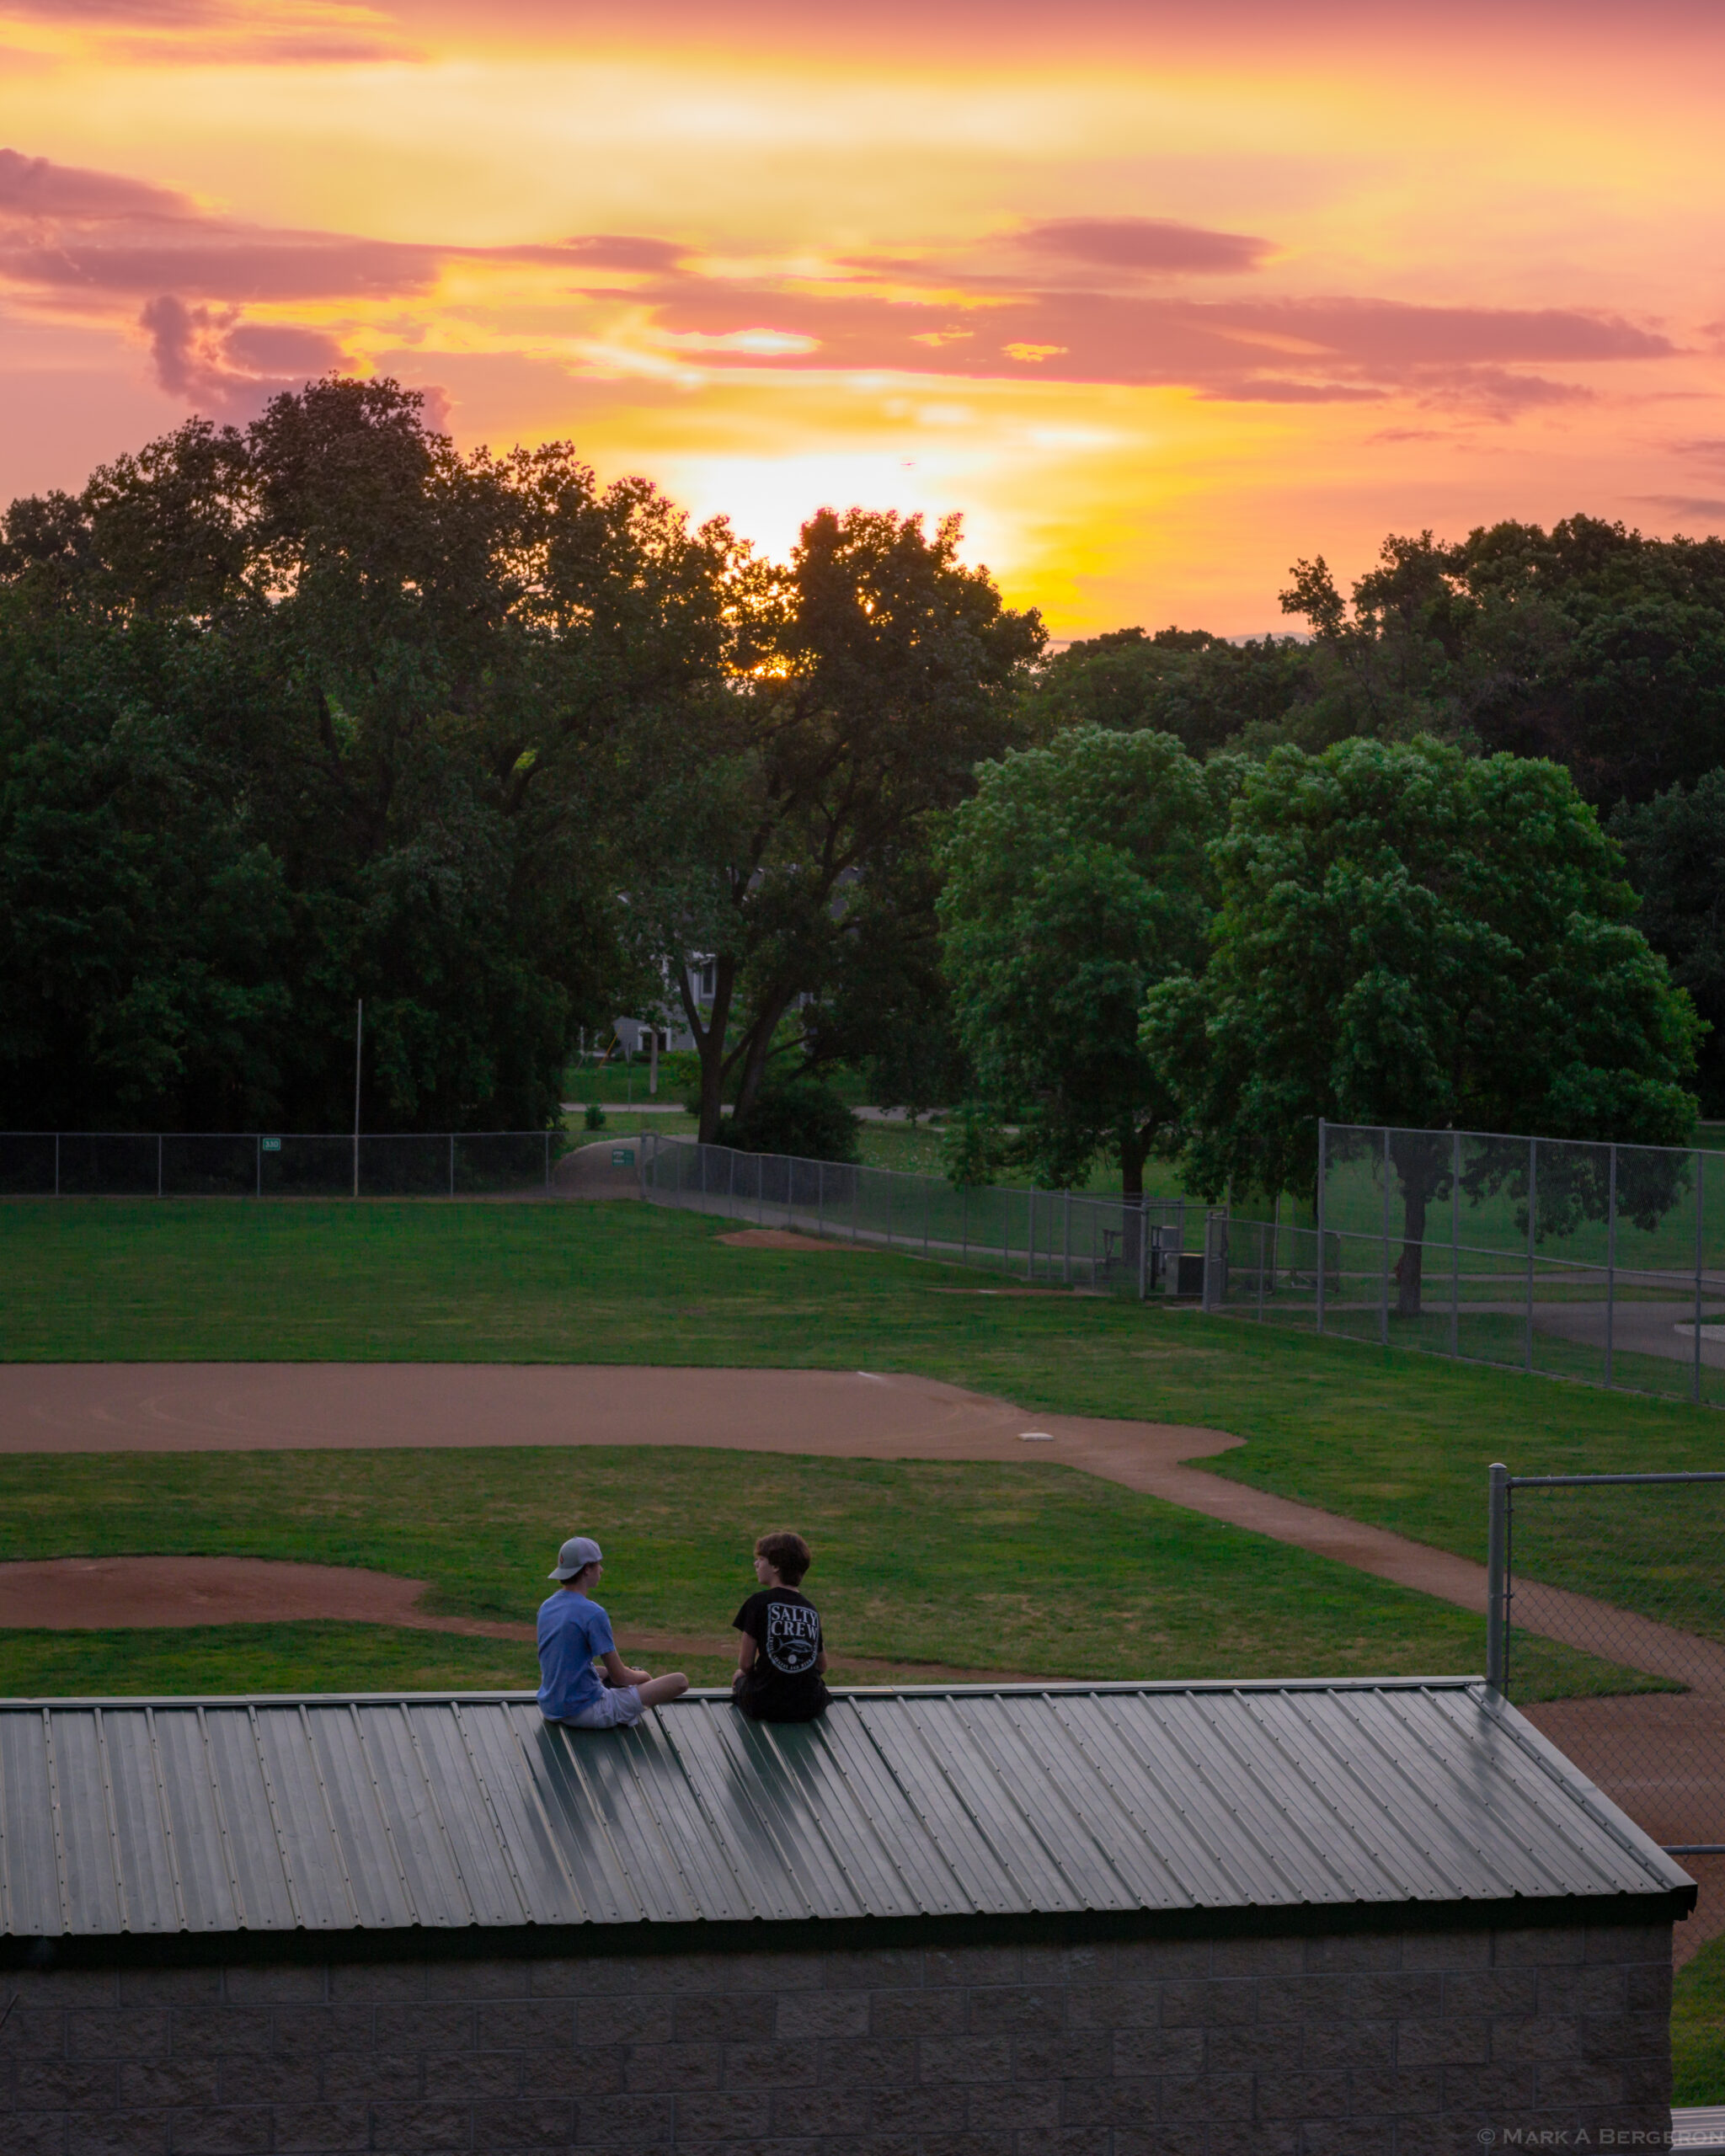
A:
(1030, 1233)
(927, 1206)
(1215, 1242)
(1143, 1251)
(1533, 1199)
(1700, 1173)
(856, 1175)
(820, 1197)
(259, 1142)
(1455, 1243)
(1067, 1241)
(159, 1164)
(1323, 1136)
(1383, 1283)
(1611, 1265)
(1496, 1560)
(964, 1224)
(1260, 1271)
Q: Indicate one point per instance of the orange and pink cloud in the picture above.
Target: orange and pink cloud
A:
(1159, 297)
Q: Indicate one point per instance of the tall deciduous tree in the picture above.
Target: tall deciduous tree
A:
(1078, 880)
(871, 676)
(318, 709)
(1410, 937)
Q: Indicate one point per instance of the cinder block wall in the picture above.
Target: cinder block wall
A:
(1392, 2044)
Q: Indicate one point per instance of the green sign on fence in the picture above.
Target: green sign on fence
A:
(623, 1156)
(271, 1144)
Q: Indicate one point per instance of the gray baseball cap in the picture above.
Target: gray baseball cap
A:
(580, 1551)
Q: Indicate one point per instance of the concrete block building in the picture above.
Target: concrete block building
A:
(1015, 1921)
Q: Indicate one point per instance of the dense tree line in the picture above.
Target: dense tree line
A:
(1589, 644)
(321, 709)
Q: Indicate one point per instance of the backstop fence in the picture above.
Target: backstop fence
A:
(1040, 1237)
(1641, 1563)
(1602, 1262)
(259, 1164)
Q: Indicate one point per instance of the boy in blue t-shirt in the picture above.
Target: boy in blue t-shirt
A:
(573, 1631)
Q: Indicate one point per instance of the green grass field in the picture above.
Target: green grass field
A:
(1399, 1440)
(1396, 1439)
(1036, 1569)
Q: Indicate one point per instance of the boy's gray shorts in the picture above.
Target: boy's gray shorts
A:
(616, 1708)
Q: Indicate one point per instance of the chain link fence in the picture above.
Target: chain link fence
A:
(1629, 1568)
(1601, 1262)
(1043, 1238)
(258, 1164)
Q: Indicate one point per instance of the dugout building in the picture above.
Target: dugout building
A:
(1131, 1919)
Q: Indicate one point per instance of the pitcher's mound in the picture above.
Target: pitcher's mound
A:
(63, 1594)
(778, 1239)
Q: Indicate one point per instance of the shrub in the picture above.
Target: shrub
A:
(800, 1115)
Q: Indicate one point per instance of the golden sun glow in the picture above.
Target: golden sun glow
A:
(1158, 306)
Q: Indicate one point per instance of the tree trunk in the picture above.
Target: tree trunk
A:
(1422, 1164)
(758, 1047)
(1133, 1149)
(1408, 1272)
(709, 1042)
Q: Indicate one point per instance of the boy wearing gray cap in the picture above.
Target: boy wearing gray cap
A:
(574, 1630)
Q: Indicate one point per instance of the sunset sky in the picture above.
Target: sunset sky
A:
(1159, 297)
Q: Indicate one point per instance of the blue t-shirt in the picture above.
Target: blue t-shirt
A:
(571, 1630)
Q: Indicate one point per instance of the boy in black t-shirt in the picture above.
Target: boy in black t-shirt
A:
(782, 1660)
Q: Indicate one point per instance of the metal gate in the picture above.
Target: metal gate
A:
(1630, 1570)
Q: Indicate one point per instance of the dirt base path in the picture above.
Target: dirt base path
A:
(850, 1414)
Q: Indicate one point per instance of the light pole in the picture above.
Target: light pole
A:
(359, 1047)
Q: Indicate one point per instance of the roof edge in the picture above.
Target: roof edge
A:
(1016, 1688)
(840, 1935)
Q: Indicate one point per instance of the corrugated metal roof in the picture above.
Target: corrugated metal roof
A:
(323, 1814)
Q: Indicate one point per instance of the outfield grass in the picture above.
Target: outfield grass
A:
(1400, 1440)
(1036, 1569)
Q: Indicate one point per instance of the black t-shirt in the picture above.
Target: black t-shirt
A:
(782, 1683)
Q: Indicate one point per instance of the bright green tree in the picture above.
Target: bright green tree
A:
(1412, 937)
(1076, 879)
